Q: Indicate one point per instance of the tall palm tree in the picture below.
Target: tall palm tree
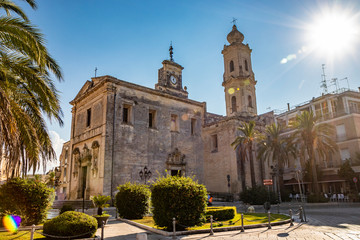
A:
(244, 143)
(276, 148)
(26, 92)
(313, 139)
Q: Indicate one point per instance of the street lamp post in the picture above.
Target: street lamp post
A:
(145, 174)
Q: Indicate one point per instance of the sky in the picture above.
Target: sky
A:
(290, 40)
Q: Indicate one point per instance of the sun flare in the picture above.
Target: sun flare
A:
(333, 32)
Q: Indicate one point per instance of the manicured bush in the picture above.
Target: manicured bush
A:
(26, 198)
(221, 213)
(133, 200)
(66, 208)
(180, 198)
(257, 195)
(314, 198)
(71, 224)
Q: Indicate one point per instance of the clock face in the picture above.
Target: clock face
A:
(173, 79)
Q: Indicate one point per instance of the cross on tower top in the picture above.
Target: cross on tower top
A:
(234, 21)
(171, 52)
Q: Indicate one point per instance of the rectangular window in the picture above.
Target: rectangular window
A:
(152, 118)
(345, 154)
(88, 118)
(340, 132)
(64, 174)
(126, 113)
(214, 143)
(174, 123)
(193, 124)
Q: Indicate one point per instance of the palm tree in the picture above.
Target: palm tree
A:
(26, 92)
(244, 144)
(313, 138)
(276, 148)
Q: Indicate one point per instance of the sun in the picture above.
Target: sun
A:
(333, 32)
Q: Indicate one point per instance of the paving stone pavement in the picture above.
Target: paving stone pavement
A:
(329, 222)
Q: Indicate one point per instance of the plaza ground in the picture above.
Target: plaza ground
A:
(325, 221)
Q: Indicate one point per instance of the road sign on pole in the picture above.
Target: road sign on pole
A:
(268, 182)
(355, 180)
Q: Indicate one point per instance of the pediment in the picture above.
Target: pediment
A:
(88, 84)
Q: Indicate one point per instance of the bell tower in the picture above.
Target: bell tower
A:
(170, 78)
(239, 80)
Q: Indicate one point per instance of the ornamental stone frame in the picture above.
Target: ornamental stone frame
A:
(176, 161)
(95, 150)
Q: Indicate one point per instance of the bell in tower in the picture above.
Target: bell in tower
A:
(170, 77)
(239, 80)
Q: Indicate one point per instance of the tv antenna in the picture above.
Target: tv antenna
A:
(323, 80)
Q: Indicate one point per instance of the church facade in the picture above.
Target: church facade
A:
(121, 130)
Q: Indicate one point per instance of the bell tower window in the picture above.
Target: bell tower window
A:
(246, 66)
(233, 104)
(250, 101)
(231, 66)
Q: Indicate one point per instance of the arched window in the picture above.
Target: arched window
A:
(231, 66)
(250, 101)
(233, 104)
(246, 66)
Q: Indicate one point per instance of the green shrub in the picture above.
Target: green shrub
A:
(221, 213)
(133, 200)
(100, 201)
(28, 199)
(257, 195)
(66, 208)
(180, 198)
(71, 224)
(314, 198)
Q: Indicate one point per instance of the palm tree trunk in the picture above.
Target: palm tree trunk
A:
(252, 170)
(240, 167)
(316, 188)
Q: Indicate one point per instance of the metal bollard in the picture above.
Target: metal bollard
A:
(291, 220)
(211, 225)
(174, 230)
(32, 232)
(269, 227)
(242, 223)
(102, 230)
(301, 215)
(278, 208)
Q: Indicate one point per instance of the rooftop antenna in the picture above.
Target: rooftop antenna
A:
(95, 71)
(335, 82)
(345, 78)
(323, 80)
(171, 52)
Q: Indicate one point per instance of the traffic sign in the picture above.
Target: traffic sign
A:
(268, 182)
(355, 180)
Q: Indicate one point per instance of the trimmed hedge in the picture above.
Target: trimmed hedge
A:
(180, 198)
(221, 213)
(71, 223)
(133, 200)
(26, 198)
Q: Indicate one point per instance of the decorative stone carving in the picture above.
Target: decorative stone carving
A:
(76, 157)
(176, 158)
(95, 150)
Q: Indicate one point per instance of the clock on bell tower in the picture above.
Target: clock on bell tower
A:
(170, 77)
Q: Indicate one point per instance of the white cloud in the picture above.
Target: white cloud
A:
(301, 84)
(57, 142)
